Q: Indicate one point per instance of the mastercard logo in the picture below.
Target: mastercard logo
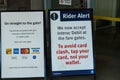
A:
(25, 50)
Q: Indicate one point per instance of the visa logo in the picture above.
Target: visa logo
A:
(35, 50)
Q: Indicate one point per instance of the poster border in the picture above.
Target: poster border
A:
(44, 39)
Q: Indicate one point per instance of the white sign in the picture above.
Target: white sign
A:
(22, 40)
(65, 2)
(71, 42)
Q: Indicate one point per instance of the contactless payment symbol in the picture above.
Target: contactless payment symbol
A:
(34, 57)
(54, 16)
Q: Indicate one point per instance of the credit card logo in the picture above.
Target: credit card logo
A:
(35, 50)
(25, 50)
(16, 50)
(9, 51)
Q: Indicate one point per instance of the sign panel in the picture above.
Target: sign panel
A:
(22, 43)
(65, 2)
(71, 42)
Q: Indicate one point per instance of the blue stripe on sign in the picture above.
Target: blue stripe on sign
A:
(75, 72)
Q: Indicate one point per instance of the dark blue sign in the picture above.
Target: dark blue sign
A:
(75, 15)
(75, 72)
